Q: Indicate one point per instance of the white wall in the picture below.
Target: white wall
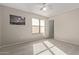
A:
(66, 27)
(0, 25)
(18, 33)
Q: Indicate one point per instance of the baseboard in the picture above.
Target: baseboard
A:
(11, 44)
(18, 43)
(68, 42)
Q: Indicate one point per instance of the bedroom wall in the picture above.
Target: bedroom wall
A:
(66, 27)
(0, 25)
(18, 33)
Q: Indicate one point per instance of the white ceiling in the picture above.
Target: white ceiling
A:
(52, 8)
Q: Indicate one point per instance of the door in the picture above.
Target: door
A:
(51, 28)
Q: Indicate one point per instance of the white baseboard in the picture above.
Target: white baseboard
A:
(11, 44)
(68, 42)
(18, 43)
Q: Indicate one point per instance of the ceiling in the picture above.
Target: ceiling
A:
(53, 9)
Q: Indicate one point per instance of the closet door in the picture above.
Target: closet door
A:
(51, 28)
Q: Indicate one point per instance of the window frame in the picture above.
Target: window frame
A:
(42, 26)
(38, 26)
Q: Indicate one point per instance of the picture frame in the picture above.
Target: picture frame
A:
(17, 20)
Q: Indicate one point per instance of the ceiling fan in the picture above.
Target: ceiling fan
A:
(44, 7)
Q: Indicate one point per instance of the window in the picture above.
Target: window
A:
(38, 26)
(35, 25)
(42, 26)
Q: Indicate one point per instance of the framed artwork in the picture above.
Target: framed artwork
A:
(17, 20)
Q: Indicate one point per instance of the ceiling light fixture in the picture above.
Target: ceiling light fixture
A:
(44, 7)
